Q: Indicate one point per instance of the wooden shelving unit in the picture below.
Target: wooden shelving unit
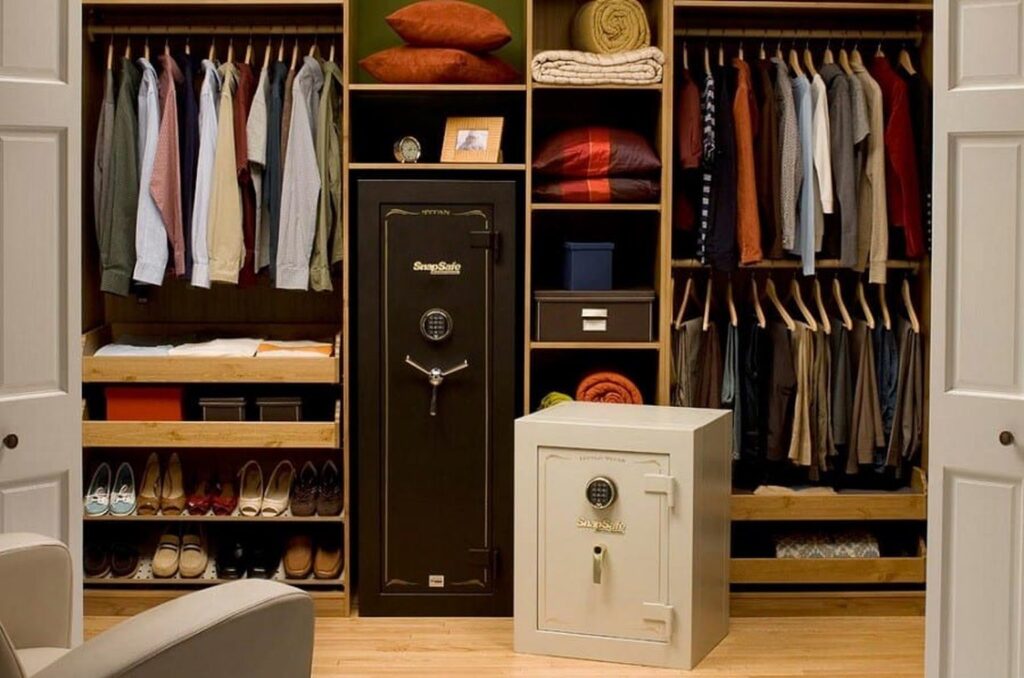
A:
(185, 518)
(438, 166)
(110, 601)
(595, 345)
(824, 571)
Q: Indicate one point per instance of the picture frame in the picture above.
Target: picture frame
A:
(472, 140)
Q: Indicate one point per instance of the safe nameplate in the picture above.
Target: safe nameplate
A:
(614, 527)
(438, 268)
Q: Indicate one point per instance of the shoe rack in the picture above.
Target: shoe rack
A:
(176, 309)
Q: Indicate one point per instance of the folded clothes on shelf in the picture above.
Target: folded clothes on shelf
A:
(830, 545)
(219, 348)
(779, 490)
(569, 67)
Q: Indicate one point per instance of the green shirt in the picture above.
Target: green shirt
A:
(328, 237)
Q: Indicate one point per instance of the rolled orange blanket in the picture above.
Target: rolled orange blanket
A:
(609, 387)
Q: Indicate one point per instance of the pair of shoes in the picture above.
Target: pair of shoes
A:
(207, 494)
(257, 559)
(318, 493)
(119, 559)
(181, 553)
(272, 501)
(111, 493)
(301, 558)
(162, 493)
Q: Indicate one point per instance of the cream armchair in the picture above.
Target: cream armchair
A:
(248, 628)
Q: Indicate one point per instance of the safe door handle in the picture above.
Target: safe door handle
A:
(599, 552)
(435, 376)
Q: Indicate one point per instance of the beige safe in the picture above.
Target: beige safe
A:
(622, 533)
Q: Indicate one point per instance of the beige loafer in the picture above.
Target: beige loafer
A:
(168, 555)
(194, 558)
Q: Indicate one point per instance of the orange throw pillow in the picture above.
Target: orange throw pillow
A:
(450, 23)
(436, 65)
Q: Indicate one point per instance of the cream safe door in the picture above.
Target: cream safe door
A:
(976, 453)
(598, 567)
(40, 160)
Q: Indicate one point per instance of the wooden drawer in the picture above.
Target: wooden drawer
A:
(617, 315)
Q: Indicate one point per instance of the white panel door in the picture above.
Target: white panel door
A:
(976, 453)
(40, 227)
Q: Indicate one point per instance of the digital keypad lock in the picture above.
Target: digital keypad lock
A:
(436, 324)
(600, 492)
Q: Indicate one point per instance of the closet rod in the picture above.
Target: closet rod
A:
(812, 34)
(297, 29)
(793, 264)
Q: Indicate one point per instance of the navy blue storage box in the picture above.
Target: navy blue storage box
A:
(588, 265)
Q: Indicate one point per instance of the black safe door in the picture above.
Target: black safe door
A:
(435, 433)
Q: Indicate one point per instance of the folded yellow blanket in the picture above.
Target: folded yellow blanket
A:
(611, 26)
(569, 67)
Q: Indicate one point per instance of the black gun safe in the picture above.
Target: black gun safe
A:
(435, 399)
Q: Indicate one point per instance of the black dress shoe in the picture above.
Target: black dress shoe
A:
(231, 559)
(264, 560)
(96, 560)
(124, 560)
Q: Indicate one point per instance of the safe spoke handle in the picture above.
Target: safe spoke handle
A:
(435, 376)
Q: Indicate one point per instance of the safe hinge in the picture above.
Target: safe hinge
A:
(660, 613)
(655, 483)
(488, 240)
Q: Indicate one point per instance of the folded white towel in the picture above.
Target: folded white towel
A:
(219, 348)
(567, 67)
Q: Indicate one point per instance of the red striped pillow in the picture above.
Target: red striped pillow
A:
(596, 152)
(599, 189)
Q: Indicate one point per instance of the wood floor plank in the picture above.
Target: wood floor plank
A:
(805, 647)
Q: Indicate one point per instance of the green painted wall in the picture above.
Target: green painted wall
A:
(370, 33)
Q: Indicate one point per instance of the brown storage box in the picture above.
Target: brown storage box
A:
(223, 409)
(280, 409)
(144, 403)
(614, 315)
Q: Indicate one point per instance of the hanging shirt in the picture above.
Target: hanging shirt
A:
(841, 150)
(256, 143)
(301, 185)
(920, 95)
(873, 227)
(209, 95)
(903, 190)
(328, 242)
(242, 104)
(188, 127)
(791, 169)
(117, 223)
(275, 167)
(822, 143)
(101, 155)
(688, 123)
(745, 116)
(722, 239)
(286, 113)
(165, 186)
(707, 105)
(224, 236)
(769, 196)
(805, 241)
(150, 234)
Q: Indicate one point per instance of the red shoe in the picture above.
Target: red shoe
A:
(201, 499)
(225, 501)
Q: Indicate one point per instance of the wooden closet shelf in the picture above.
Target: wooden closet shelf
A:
(110, 601)
(596, 206)
(828, 571)
(595, 345)
(843, 506)
(219, 3)
(200, 582)
(448, 166)
(794, 264)
(214, 519)
(655, 87)
(214, 434)
(804, 5)
(387, 88)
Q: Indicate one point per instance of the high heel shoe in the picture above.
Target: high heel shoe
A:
(201, 499)
(149, 489)
(172, 492)
(250, 492)
(97, 497)
(279, 488)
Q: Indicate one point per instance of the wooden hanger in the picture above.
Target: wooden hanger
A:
(844, 61)
(280, 51)
(837, 296)
(707, 59)
(188, 46)
(167, 48)
(809, 60)
(266, 56)
(884, 305)
(739, 53)
(248, 52)
(798, 297)
(905, 62)
(688, 293)
(778, 51)
(855, 57)
(762, 322)
(314, 49)
(231, 51)
(110, 54)
(212, 54)
(869, 317)
(686, 57)
(145, 49)
(761, 54)
(331, 57)
(128, 49)
(879, 52)
(794, 62)
(707, 304)
(908, 305)
(734, 319)
(828, 57)
(295, 55)
(721, 55)
(826, 324)
(773, 296)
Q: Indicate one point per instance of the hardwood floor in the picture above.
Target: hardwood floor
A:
(837, 647)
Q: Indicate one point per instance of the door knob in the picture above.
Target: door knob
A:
(10, 441)
(1006, 438)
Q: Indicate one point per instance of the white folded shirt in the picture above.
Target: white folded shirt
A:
(219, 348)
